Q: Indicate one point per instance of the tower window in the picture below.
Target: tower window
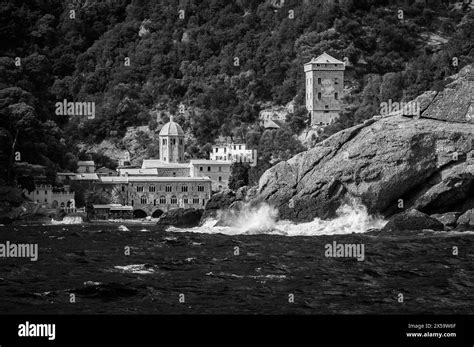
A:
(200, 168)
(319, 80)
(319, 96)
(336, 96)
(336, 80)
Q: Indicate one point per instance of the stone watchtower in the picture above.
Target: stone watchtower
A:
(324, 88)
(171, 142)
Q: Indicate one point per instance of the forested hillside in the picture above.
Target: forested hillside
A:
(221, 60)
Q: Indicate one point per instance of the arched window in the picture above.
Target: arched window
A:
(185, 200)
(162, 200)
(143, 200)
(195, 200)
(174, 200)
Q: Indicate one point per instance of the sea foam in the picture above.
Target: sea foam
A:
(351, 217)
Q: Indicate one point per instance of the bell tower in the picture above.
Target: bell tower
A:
(171, 142)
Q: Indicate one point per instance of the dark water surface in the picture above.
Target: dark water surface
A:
(82, 259)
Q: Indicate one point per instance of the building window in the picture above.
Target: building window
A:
(168, 189)
(123, 188)
(203, 202)
(217, 150)
(133, 202)
(220, 168)
(162, 200)
(208, 168)
(220, 178)
(139, 189)
(37, 192)
(185, 200)
(174, 200)
(240, 147)
(319, 80)
(173, 142)
(143, 200)
(319, 96)
(195, 200)
(336, 80)
(154, 202)
(200, 188)
(181, 141)
(174, 174)
(164, 158)
(326, 106)
(151, 189)
(200, 168)
(184, 189)
(335, 96)
(164, 142)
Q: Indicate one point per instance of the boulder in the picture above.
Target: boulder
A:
(241, 193)
(454, 189)
(218, 201)
(448, 219)
(466, 220)
(412, 220)
(184, 218)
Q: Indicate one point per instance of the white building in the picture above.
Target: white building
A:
(87, 166)
(44, 194)
(217, 170)
(234, 152)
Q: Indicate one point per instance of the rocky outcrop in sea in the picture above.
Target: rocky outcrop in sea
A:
(391, 164)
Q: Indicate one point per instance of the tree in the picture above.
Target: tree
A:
(239, 176)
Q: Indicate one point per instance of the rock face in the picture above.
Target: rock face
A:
(180, 217)
(466, 220)
(459, 94)
(388, 163)
(448, 219)
(218, 201)
(412, 220)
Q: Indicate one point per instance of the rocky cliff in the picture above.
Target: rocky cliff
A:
(390, 163)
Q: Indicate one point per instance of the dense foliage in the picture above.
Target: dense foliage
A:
(220, 59)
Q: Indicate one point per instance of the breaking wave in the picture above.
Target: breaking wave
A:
(351, 218)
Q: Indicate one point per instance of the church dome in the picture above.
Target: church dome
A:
(171, 129)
